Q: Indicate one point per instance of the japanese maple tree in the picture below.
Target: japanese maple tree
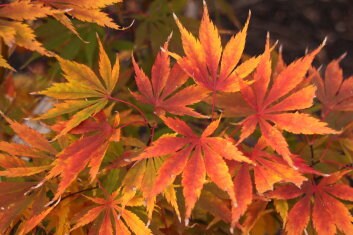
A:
(198, 138)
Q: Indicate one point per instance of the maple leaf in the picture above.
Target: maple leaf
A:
(203, 56)
(88, 150)
(165, 81)
(142, 176)
(83, 93)
(194, 156)
(110, 207)
(334, 92)
(36, 147)
(273, 105)
(320, 202)
(83, 10)
(26, 10)
(268, 170)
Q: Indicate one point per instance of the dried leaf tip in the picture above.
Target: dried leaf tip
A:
(342, 57)
(170, 36)
(324, 41)
(231, 230)
(186, 221)
(204, 3)
(175, 17)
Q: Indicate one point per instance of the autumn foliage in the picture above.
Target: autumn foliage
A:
(204, 140)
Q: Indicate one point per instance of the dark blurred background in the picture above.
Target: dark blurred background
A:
(297, 24)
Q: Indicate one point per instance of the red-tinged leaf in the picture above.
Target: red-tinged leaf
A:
(248, 127)
(172, 167)
(301, 99)
(273, 95)
(341, 216)
(334, 92)
(21, 150)
(243, 192)
(89, 150)
(193, 180)
(210, 129)
(218, 171)
(291, 77)
(203, 58)
(262, 74)
(211, 42)
(161, 91)
(286, 192)
(215, 166)
(323, 220)
(226, 149)
(300, 123)
(106, 226)
(233, 51)
(275, 139)
(178, 126)
(341, 191)
(142, 82)
(30, 136)
(30, 224)
(298, 217)
(89, 217)
(166, 144)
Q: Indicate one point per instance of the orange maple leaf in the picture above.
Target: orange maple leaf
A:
(194, 156)
(203, 57)
(334, 92)
(268, 170)
(320, 202)
(160, 91)
(89, 150)
(273, 104)
(110, 207)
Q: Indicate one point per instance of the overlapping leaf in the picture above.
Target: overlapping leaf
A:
(161, 90)
(320, 202)
(88, 150)
(269, 170)
(334, 92)
(83, 93)
(36, 147)
(207, 63)
(274, 104)
(194, 157)
(123, 222)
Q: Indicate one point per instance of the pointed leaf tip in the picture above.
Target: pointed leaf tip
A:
(175, 17)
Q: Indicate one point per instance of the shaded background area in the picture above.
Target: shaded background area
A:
(297, 24)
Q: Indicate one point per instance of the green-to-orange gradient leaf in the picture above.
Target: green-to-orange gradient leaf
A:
(275, 103)
(113, 218)
(194, 157)
(160, 91)
(89, 150)
(334, 92)
(320, 202)
(84, 92)
(208, 63)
